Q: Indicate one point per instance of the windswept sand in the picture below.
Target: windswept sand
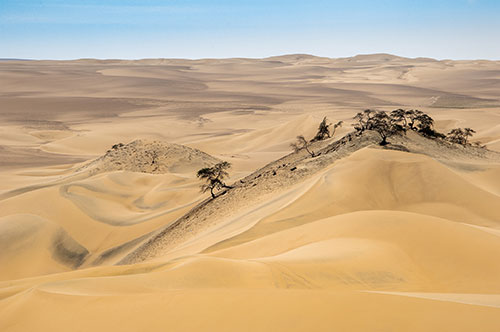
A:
(359, 239)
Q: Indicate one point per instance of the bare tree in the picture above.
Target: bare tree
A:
(302, 144)
(337, 125)
(214, 177)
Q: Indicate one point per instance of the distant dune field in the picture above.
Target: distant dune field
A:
(102, 236)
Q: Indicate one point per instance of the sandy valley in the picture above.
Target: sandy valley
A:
(101, 236)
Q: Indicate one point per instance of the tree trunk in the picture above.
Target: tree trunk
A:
(311, 153)
(212, 192)
(384, 140)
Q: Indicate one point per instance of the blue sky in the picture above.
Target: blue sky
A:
(131, 29)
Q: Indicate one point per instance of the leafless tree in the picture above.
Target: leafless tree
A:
(337, 125)
(302, 144)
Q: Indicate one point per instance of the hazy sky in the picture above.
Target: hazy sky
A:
(56, 29)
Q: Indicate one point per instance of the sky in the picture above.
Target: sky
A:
(133, 29)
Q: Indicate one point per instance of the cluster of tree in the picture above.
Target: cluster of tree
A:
(397, 121)
(461, 136)
(379, 121)
(214, 177)
(385, 124)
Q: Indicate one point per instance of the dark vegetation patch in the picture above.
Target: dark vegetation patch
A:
(67, 251)
(115, 251)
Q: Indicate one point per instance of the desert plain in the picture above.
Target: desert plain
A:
(101, 236)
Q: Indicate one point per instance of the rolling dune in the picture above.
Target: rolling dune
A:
(99, 236)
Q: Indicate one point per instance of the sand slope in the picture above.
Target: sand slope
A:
(103, 207)
(360, 238)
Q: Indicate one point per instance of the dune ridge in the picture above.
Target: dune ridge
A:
(98, 235)
(295, 168)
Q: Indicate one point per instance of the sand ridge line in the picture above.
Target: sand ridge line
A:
(279, 175)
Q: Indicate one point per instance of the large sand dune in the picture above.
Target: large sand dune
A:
(362, 238)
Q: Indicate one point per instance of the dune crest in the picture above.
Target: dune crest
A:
(150, 157)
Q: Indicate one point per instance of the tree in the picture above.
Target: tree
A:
(425, 126)
(424, 121)
(302, 144)
(457, 135)
(337, 125)
(363, 119)
(367, 114)
(214, 177)
(360, 126)
(397, 121)
(323, 131)
(383, 125)
(412, 116)
(381, 122)
(468, 132)
(461, 136)
(399, 116)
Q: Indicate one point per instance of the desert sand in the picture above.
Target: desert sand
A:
(97, 237)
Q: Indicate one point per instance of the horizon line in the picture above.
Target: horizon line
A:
(249, 58)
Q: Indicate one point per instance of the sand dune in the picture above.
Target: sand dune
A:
(359, 238)
(116, 190)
